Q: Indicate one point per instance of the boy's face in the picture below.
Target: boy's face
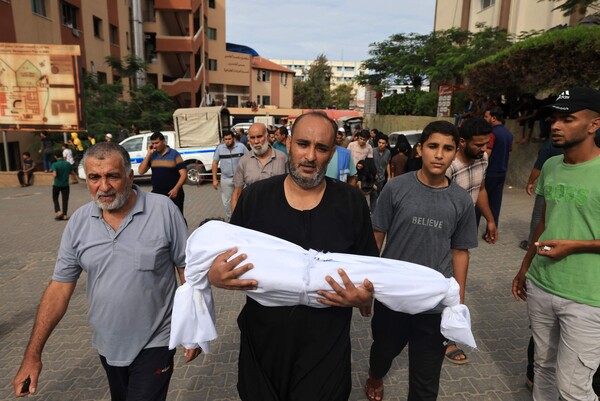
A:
(437, 153)
(25, 157)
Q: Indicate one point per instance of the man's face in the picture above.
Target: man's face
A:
(271, 138)
(339, 138)
(108, 182)
(381, 145)
(25, 157)
(362, 142)
(158, 145)
(488, 116)
(280, 137)
(228, 140)
(310, 151)
(257, 138)
(476, 147)
(572, 129)
(437, 153)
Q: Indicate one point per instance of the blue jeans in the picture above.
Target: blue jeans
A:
(495, 188)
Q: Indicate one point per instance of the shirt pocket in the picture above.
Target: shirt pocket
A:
(147, 253)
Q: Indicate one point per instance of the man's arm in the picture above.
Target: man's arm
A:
(145, 164)
(235, 195)
(561, 248)
(519, 289)
(460, 263)
(182, 177)
(533, 176)
(52, 308)
(484, 207)
(379, 237)
(215, 166)
(351, 180)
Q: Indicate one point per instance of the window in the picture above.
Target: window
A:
(266, 100)
(212, 64)
(264, 76)
(211, 3)
(487, 3)
(101, 76)
(283, 78)
(39, 7)
(114, 34)
(348, 68)
(134, 144)
(212, 34)
(69, 15)
(97, 27)
(339, 68)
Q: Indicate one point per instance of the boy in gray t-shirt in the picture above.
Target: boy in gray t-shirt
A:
(428, 220)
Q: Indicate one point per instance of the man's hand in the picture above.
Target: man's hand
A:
(529, 189)
(491, 236)
(173, 193)
(556, 249)
(30, 368)
(191, 353)
(519, 288)
(223, 273)
(349, 295)
(216, 184)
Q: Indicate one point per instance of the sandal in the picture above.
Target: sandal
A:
(374, 389)
(58, 216)
(451, 356)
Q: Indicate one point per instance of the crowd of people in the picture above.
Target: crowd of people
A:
(419, 205)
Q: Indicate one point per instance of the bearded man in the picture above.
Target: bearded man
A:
(262, 162)
(299, 352)
(131, 280)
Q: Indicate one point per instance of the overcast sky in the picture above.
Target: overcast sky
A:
(341, 29)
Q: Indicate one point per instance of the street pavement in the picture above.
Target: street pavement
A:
(29, 239)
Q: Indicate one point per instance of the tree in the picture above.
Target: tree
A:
(314, 92)
(551, 62)
(438, 56)
(342, 95)
(129, 67)
(574, 6)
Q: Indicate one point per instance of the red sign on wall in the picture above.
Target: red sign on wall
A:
(445, 101)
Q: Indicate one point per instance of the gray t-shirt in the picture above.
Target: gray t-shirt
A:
(423, 223)
(130, 273)
(381, 162)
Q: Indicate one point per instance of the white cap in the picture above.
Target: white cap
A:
(341, 129)
(109, 135)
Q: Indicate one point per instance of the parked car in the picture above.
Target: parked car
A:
(413, 136)
(198, 132)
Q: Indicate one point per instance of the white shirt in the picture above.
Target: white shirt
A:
(289, 275)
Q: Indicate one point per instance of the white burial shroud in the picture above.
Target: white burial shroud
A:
(289, 275)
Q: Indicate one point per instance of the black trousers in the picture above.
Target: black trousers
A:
(21, 177)
(65, 198)
(392, 331)
(146, 379)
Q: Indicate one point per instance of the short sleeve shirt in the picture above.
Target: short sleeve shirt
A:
(251, 169)
(130, 273)
(62, 169)
(469, 175)
(229, 158)
(360, 153)
(165, 170)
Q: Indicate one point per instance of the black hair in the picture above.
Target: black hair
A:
(364, 134)
(440, 127)
(27, 154)
(283, 130)
(58, 154)
(384, 137)
(497, 112)
(474, 126)
(157, 135)
(228, 133)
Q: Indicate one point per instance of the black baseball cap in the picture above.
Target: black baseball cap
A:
(575, 99)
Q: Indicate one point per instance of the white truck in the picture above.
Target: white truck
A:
(197, 133)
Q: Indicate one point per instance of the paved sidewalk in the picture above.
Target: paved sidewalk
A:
(29, 239)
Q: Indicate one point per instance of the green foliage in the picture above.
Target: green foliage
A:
(342, 95)
(399, 104)
(571, 6)
(105, 107)
(128, 67)
(556, 60)
(438, 56)
(314, 93)
(426, 104)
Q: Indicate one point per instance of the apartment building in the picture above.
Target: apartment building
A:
(515, 16)
(342, 72)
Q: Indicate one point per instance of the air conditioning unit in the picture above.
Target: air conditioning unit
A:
(75, 32)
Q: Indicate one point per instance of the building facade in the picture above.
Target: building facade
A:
(183, 42)
(515, 16)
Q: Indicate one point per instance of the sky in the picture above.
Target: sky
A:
(340, 29)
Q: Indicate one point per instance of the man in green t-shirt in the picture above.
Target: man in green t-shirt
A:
(60, 170)
(560, 274)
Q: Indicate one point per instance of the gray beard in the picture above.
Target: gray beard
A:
(119, 202)
(259, 152)
(306, 183)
